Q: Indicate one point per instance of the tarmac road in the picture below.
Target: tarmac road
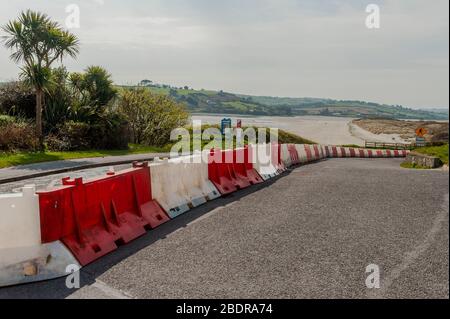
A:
(310, 233)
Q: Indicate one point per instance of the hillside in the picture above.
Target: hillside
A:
(207, 101)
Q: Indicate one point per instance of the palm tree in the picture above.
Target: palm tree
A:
(38, 42)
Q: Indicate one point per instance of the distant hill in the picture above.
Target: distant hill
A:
(207, 101)
(437, 110)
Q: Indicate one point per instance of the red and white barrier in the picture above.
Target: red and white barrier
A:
(23, 257)
(339, 151)
(289, 155)
(42, 234)
(302, 154)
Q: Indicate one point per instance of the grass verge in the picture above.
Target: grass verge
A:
(437, 151)
(22, 158)
(412, 165)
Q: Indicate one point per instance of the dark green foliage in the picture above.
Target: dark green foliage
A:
(16, 99)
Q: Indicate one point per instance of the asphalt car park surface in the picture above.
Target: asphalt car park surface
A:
(309, 233)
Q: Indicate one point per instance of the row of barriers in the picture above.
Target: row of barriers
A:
(44, 232)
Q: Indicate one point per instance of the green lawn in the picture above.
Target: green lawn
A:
(438, 151)
(21, 158)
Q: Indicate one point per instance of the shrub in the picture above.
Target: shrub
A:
(6, 119)
(71, 136)
(16, 99)
(17, 135)
(151, 117)
(110, 133)
(58, 101)
(57, 144)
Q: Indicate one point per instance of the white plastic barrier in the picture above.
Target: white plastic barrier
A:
(181, 183)
(167, 187)
(285, 156)
(22, 256)
(262, 160)
(193, 172)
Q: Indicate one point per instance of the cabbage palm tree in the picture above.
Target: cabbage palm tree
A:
(38, 42)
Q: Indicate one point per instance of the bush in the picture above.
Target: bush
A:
(16, 99)
(151, 117)
(17, 135)
(57, 144)
(109, 133)
(71, 136)
(6, 119)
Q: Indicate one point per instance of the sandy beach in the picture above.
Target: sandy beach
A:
(320, 129)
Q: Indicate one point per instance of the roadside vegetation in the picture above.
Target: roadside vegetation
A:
(22, 158)
(440, 151)
(8, 159)
(413, 166)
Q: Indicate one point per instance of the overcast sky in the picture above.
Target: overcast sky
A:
(297, 48)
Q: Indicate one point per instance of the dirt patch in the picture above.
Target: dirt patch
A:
(437, 131)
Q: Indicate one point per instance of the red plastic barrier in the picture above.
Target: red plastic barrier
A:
(352, 152)
(293, 154)
(316, 151)
(93, 218)
(370, 153)
(334, 150)
(219, 173)
(243, 166)
(388, 153)
(344, 154)
(231, 170)
(379, 153)
(327, 151)
(309, 156)
(396, 153)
